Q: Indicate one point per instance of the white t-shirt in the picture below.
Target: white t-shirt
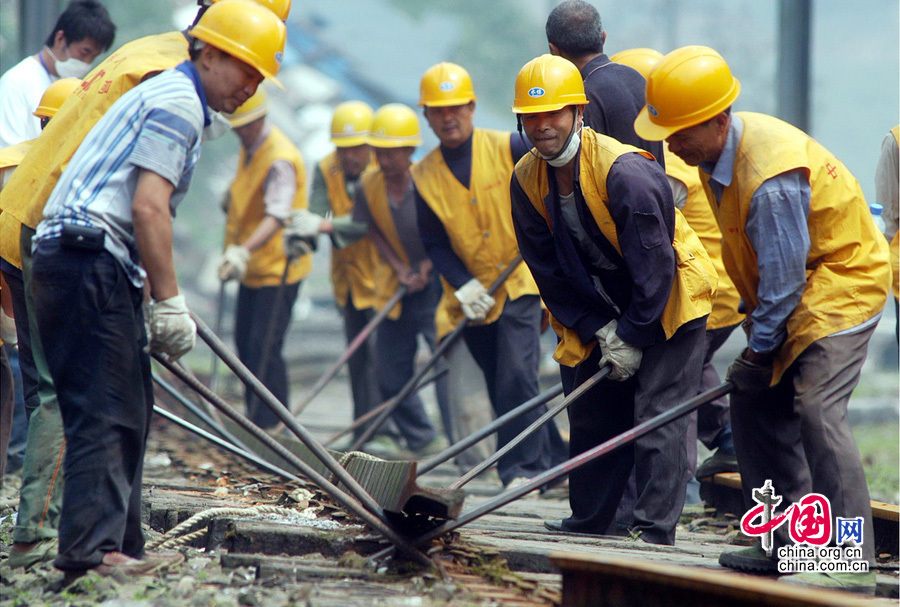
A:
(21, 88)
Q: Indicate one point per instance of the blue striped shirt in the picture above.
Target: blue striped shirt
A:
(156, 126)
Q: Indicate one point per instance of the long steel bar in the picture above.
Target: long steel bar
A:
(566, 467)
(352, 347)
(362, 419)
(252, 382)
(230, 447)
(363, 509)
(458, 447)
(531, 429)
(445, 345)
(220, 314)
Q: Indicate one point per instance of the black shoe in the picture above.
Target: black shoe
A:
(749, 559)
(555, 525)
(718, 462)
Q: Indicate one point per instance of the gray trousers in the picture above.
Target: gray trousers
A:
(797, 434)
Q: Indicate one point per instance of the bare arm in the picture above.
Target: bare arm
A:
(267, 228)
(153, 232)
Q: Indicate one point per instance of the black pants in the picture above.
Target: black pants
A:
(361, 366)
(92, 330)
(256, 309)
(669, 374)
(508, 353)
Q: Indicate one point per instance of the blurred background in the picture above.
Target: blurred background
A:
(376, 51)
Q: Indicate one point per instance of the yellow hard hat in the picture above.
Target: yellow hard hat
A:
(446, 84)
(253, 109)
(245, 30)
(395, 126)
(279, 7)
(688, 86)
(640, 59)
(351, 124)
(53, 97)
(546, 84)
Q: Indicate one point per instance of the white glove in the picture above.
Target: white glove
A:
(234, 262)
(475, 300)
(8, 330)
(622, 357)
(172, 331)
(303, 224)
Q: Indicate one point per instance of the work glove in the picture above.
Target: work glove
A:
(172, 331)
(8, 330)
(297, 246)
(234, 262)
(617, 353)
(749, 378)
(147, 308)
(303, 224)
(475, 300)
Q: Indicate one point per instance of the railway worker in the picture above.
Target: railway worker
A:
(105, 237)
(802, 248)
(887, 194)
(82, 31)
(462, 197)
(23, 199)
(628, 285)
(615, 92)
(713, 426)
(269, 184)
(334, 188)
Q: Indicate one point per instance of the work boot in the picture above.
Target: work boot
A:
(749, 559)
(720, 461)
(40, 551)
(858, 583)
(121, 566)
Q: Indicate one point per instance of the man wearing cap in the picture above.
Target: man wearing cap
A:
(105, 238)
(269, 184)
(801, 246)
(628, 285)
(462, 190)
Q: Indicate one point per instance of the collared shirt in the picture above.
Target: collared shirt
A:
(156, 126)
(778, 231)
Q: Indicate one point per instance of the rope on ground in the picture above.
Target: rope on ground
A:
(178, 535)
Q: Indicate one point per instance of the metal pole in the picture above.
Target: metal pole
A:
(795, 17)
(575, 395)
(365, 507)
(220, 313)
(445, 344)
(453, 450)
(354, 345)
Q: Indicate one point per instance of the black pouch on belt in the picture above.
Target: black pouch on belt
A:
(82, 237)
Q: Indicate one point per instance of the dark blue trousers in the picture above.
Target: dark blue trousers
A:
(92, 331)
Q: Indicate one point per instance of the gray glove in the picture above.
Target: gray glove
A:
(749, 378)
(172, 330)
(624, 358)
(8, 330)
(475, 300)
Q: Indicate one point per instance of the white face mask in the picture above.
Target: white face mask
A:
(565, 156)
(218, 126)
(71, 67)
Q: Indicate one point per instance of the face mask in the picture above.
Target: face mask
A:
(565, 156)
(71, 67)
(218, 126)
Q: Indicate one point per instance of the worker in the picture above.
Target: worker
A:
(887, 194)
(13, 292)
(464, 221)
(804, 252)
(616, 93)
(628, 285)
(713, 422)
(22, 201)
(269, 184)
(107, 234)
(334, 188)
(82, 31)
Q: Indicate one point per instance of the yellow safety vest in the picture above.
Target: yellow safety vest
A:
(702, 219)
(247, 209)
(353, 266)
(33, 182)
(895, 241)
(694, 286)
(386, 282)
(847, 268)
(10, 157)
(478, 221)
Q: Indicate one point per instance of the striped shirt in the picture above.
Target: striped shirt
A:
(157, 126)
